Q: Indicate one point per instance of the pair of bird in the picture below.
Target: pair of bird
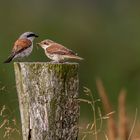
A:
(56, 52)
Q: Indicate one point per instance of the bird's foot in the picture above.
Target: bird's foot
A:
(57, 62)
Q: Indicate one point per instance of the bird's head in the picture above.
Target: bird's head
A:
(28, 35)
(45, 43)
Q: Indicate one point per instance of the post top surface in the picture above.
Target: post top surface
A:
(47, 63)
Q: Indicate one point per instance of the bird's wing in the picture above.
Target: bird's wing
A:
(59, 49)
(20, 45)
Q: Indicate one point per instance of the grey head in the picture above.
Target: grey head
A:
(28, 35)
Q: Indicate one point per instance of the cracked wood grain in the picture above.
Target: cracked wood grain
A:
(48, 103)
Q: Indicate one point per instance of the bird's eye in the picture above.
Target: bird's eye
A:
(46, 43)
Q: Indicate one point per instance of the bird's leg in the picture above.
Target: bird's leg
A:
(57, 62)
(53, 61)
(61, 61)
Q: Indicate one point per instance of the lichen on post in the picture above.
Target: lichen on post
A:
(48, 102)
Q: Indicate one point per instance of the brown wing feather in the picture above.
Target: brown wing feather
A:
(59, 49)
(21, 44)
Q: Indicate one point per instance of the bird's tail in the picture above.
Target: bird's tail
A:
(75, 57)
(9, 59)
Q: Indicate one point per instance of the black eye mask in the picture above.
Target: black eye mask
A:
(32, 35)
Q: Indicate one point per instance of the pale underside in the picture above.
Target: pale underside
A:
(24, 53)
(59, 57)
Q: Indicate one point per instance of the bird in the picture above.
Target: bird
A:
(57, 52)
(23, 46)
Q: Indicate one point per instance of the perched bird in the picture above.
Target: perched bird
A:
(57, 52)
(22, 47)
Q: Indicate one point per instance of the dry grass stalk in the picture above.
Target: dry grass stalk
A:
(9, 126)
(112, 130)
(134, 124)
(91, 128)
(123, 123)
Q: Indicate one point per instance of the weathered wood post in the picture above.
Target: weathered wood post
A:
(48, 103)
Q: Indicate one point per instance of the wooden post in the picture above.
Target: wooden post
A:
(48, 103)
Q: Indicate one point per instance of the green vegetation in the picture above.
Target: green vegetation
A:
(105, 33)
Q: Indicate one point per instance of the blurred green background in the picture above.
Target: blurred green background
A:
(105, 33)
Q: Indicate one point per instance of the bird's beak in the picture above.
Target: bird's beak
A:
(36, 35)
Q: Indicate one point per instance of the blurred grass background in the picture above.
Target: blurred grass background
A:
(105, 33)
